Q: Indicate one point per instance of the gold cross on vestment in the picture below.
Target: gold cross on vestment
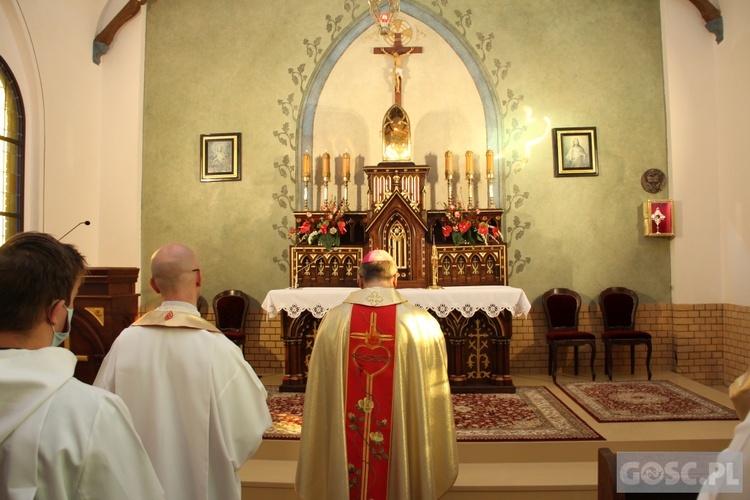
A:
(397, 52)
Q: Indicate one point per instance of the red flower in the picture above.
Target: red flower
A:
(324, 228)
(447, 230)
(464, 226)
(495, 231)
(305, 227)
(342, 227)
(483, 229)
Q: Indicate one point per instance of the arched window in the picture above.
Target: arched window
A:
(11, 154)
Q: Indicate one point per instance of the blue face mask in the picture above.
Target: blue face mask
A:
(59, 337)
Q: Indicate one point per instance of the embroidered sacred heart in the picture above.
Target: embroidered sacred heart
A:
(371, 359)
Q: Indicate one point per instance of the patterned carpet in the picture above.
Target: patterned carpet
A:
(532, 414)
(643, 401)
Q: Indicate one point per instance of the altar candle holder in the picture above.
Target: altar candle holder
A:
(449, 175)
(326, 178)
(306, 177)
(470, 177)
(345, 173)
(490, 177)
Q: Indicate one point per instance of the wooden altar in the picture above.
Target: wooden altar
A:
(476, 322)
(478, 344)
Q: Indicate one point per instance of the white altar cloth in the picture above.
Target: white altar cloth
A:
(466, 299)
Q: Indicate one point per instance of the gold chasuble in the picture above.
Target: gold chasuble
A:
(378, 417)
(369, 400)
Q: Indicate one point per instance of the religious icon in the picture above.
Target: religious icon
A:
(653, 180)
(658, 218)
(396, 135)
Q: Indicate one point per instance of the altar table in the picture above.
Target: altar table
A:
(476, 322)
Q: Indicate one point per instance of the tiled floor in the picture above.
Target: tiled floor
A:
(530, 470)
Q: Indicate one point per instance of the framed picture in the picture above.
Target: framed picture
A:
(575, 151)
(220, 157)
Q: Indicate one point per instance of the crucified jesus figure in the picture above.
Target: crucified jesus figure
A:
(398, 70)
(398, 51)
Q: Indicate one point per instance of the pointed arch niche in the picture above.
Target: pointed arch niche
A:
(447, 93)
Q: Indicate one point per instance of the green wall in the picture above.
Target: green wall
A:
(242, 66)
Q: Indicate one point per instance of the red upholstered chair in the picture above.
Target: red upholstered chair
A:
(561, 306)
(230, 308)
(618, 306)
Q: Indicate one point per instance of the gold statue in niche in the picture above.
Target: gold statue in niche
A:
(396, 135)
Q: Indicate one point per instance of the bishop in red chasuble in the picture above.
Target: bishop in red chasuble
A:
(378, 418)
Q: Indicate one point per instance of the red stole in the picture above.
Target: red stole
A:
(369, 400)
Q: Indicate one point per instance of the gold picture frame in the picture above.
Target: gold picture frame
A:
(221, 157)
(658, 218)
(575, 151)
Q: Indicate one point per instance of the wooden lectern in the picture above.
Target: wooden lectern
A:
(106, 304)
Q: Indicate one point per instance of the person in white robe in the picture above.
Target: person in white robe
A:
(59, 438)
(739, 393)
(198, 406)
(422, 462)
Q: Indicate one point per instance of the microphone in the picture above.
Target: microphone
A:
(84, 222)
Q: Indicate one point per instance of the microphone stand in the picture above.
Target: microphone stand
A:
(302, 270)
(84, 222)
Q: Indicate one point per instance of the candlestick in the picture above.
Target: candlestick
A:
(326, 176)
(449, 175)
(490, 178)
(346, 163)
(469, 163)
(470, 176)
(345, 174)
(306, 170)
(326, 166)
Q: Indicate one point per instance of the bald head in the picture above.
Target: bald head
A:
(175, 273)
(378, 269)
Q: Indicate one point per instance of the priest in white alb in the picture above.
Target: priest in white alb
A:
(378, 417)
(198, 406)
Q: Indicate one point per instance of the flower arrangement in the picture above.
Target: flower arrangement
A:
(322, 229)
(465, 226)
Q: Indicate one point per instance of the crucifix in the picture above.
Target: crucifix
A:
(397, 52)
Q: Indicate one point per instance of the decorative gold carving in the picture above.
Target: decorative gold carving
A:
(97, 313)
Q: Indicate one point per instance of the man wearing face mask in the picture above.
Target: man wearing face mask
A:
(59, 438)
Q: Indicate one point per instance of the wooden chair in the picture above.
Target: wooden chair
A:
(561, 307)
(230, 308)
(618, 306)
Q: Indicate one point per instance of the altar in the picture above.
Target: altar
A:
(451, 262)
(476, 322)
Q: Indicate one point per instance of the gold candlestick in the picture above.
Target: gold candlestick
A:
(470, 176)
(490, 178)
(306, 170)
(345, 174)
(326, 177)
(449, 175)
